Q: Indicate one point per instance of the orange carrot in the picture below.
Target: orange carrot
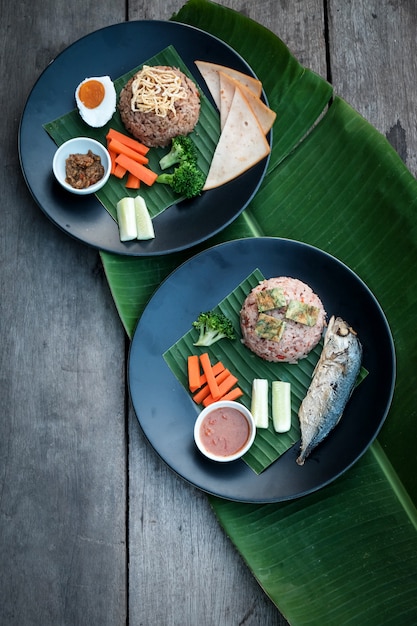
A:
(193, 365)
(132, 182)
(217, 369)
(142, 172)
(113, 156)
(230, 395)
(208, 371)
(119, 148)
(220, 378)
(127, 141)
(227, 384)
(201, 394)
(234, 394)
(205, 390)
(224, 388)
(119, 170)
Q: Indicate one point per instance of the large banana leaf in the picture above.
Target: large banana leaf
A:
(348, 553)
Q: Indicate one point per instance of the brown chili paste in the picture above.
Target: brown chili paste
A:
(83, 170)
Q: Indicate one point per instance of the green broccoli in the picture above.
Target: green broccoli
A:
(213, 327)
(182, 149)
(186, 180)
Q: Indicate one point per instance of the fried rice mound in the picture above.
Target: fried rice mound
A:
(154, 130)
(297, 339)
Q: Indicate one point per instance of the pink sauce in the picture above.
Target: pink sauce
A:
(224, 431)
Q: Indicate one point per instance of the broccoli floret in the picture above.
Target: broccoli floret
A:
(213, 327)
(182, 149)
(186, 180)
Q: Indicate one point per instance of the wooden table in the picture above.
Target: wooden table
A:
(95, 529)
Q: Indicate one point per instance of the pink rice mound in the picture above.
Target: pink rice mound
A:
(298, 339)
(153, 130)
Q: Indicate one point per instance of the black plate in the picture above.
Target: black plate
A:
(114, 51)
(167, 414)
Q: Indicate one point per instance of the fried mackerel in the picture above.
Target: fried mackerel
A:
(331, 386)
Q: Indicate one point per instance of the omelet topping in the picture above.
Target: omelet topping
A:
(269, 299)
(302, 313)
(269, 327)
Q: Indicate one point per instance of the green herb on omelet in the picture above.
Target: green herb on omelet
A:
(269, 299)
(269, 327)
(302, 313)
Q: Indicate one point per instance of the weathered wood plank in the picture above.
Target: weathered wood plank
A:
(373, 50)
(63, 446)
(62, 443)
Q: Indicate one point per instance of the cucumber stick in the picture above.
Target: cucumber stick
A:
(281, 406)
(126, 218)
(134, 219)
(144, 225)
(259, 402)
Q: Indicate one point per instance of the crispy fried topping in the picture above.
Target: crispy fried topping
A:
(156, 90)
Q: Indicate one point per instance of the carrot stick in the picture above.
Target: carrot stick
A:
(234, 394)
(117, 146)
(208, 370)
(119, 170)
(142, 172)
(113, 156)
(127, 141)
(193, 365)
(217, 369)
(201, 394)
(227, 384)
(132, 182)
(224, 388)
(205, 389)
(220, 378)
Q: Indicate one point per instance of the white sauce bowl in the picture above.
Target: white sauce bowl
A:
(228, 404)
(80, 145)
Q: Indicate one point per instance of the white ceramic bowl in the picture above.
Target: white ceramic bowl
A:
(199, 438)
(80, 145)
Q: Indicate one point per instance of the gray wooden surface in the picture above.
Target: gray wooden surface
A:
(94, 529)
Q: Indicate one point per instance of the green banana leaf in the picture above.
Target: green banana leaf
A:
(268, 445)
(346, 554)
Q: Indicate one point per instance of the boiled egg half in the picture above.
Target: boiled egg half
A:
(96, 100)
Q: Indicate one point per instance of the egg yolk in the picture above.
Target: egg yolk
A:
(91, 93)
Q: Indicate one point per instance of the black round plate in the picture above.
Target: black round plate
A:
(114, 51)
(166, 413)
